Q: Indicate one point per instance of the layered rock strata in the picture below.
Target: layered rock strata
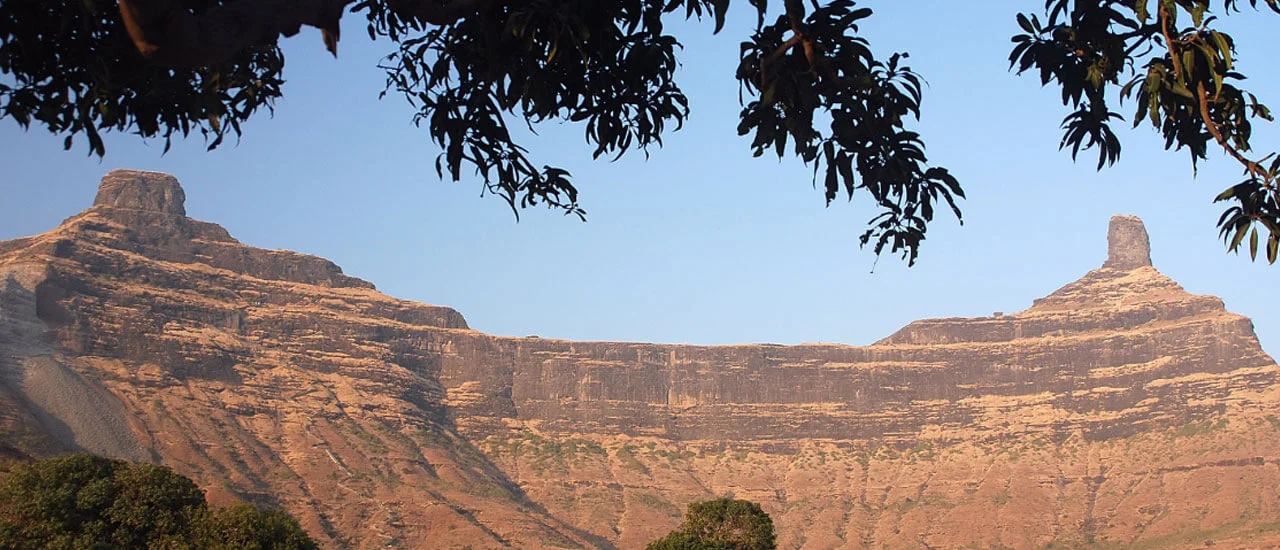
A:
(1119, 409)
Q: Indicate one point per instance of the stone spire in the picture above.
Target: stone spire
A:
(1128, 246)
(140, 190)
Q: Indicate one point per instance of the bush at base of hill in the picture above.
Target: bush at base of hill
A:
(89, 502)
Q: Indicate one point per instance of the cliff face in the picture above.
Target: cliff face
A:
(1119, 409)
(134, 331)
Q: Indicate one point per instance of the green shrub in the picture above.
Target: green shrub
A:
(89, 502)
(721, 524)
(245, 527)
(678, 540)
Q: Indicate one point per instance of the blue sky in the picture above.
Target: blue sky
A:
(701, 243)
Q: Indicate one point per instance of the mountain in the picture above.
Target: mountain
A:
(1119, 410)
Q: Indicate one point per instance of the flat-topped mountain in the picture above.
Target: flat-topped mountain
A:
(1118, 410)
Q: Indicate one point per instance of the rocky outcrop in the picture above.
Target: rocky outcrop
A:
(138, 190)
(1128, 246)
(1119, 409)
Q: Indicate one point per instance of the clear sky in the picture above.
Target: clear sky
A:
(701, 243)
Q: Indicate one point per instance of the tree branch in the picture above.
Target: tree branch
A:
(168, 34)
(1251, 167)
(1168, 41)
(778, 53)
(812, 51)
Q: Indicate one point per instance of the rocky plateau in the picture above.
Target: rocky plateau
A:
(1119, 411)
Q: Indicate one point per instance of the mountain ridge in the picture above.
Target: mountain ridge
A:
(133, 330)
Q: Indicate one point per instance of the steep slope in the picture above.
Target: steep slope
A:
(134, 331)
(1118, 410)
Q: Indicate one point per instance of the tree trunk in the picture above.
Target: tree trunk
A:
(168, 34)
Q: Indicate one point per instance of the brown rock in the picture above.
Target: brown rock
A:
(139, 190)
(1127, 244)
(1118, 410)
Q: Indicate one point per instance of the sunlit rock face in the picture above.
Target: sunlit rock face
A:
(138, 190)
(1117, 410)
(1127, 244)
(1085, 355)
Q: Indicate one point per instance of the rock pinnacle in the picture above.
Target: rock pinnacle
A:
(140, 190)
(1128, 246)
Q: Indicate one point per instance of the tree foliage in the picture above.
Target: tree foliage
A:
(244, 527)
(610, 66)
(811, 86)
(721, 524)
(75, 72)
(1178, 70)
(89, 502)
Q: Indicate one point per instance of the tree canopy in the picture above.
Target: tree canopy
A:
(85, 501)
(811, 86)
(721, 524)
